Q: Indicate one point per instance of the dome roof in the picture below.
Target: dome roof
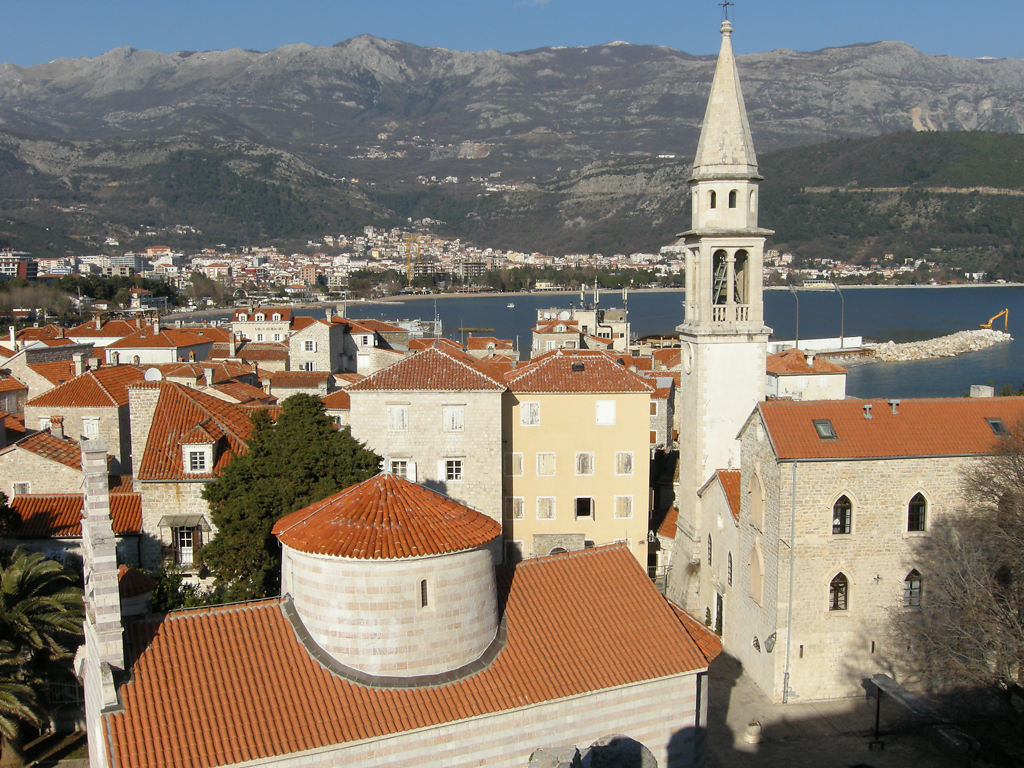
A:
(383, 518)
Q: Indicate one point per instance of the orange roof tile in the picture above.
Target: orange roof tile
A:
(170, 338)
(223, 370)
(50, 331)
(550, 326)
(56, 372)
(47, 446)
(269, 312)
(432, 368)
(730, 480)
(241, 392)
(299, 378)
(110, 328)
(921, 427)
(59, 515)
(11, 384)
(623, 632)
(707, 641)
(669, 357)
(347, 379)
(668, 525)
(379, 326)
(483, 342)
(131, 582)
(793, 362)
(338, 401)
(106, 386)
(178, 411)
(14, 426)
(250, 350)
(385, 517)
(575, 371)
(418, 344)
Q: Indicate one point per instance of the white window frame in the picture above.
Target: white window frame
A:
(453, 418)
(453, 470)
(587, 470)
(544, 501)
(513, 461)
(515, 507)
(25, 485)
(197, 459)
(624, 454)
(604, 413)
(554, 467)
(309, 345)
(398, 418)
(529, 413)
(259, 337)
(260, 317)
(628, 499)
(404, 468)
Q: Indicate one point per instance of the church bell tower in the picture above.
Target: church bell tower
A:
(723, 336)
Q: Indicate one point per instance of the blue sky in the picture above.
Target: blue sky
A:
(35, 31)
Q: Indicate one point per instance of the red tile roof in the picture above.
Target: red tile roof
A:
(668, 525)
(921, 427)
(243, 393)
(669, 357)
(170, 338)
(14, 426)
(578, 622)
(432, 368)
(793, 362)
(385, 517)
(178, 411)
(575, 371)
(5, 352)
(378, 326)
(223, 370)
(11, 384)
(66, 452)
(56, 372)
(120, 328)
(418, 344)
(131, 582)
(730, 480)
(550, 326)
(50, 331)
(59, 515)
(268, 312)
(338, 401)
(483, 342)
(106, 386)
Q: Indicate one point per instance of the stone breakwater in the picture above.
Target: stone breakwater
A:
(944, 346)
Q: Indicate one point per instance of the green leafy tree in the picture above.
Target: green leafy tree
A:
(291, 463)
(9, 519)
(40, 626)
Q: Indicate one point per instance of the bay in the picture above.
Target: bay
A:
(878, 314)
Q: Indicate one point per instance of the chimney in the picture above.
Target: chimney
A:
(867, 410)
(156, 325)
(231, 345)
(103, 632)
(95, 363)
(60, 331)
(57, 427)
(895, 405)
(208, 373)
(138, 321)
(99, 322)
(115, 357)
(191, 355)
(982, 390)
(10, 329)
(79, 359)
(810, 359)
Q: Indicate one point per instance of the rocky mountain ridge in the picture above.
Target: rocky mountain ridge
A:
(385, 108)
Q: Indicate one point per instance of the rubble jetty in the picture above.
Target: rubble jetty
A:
(943, 346)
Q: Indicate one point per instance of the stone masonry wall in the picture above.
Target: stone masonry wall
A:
(167, 498)
(42, 475)
(368, 615)
(111, 421)
(660, 714)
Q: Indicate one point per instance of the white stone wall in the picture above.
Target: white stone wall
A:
(428, 445)
(368, 614)
(667, 716)
(328, 352)
(42, 475)
(168, 498)
(819, 386)
(716, 521)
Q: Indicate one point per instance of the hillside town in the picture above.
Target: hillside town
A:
(554, 545)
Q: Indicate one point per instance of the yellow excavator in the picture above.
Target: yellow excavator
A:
(1005, 314)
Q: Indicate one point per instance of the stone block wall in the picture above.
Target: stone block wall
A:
(42, 475)
(667, 716)
(167, 498)
(114, 429)
(368, 614)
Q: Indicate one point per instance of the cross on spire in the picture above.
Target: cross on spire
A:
(725, 8)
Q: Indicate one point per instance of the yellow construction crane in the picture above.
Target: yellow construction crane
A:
(1005, 314)
(411, 240)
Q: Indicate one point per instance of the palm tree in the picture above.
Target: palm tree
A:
(40, 623)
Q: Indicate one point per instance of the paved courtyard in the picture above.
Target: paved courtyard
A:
(832, 733)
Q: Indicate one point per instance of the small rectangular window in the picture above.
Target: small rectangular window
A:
(453, 418)
(453, 470)
(545, 465)
(309, 345)
(998, 427)
(513, 464)
(654, 407)
(623, 507)
(514, 507)
(604, 413)
(399, 467)
(197, 461)
(20, 489)
(90, 427)
(584, 508)
(529, 414)
(545, 507)
(424, 601)
(623, 462)
(825, 429)
(585, 463)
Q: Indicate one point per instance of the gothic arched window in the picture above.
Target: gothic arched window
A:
(912, 589)
(842, 515)
(756, 576)
(732, 198)
(838, 593)
(916, 513)
(756, 491)
(713, 199)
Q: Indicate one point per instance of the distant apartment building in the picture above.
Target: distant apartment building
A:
(17, 264)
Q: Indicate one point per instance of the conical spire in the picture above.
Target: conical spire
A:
(725, 149)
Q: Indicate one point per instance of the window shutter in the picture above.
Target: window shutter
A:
(441, 474)
(411, 472)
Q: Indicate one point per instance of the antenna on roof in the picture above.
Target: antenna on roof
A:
(725, 8)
